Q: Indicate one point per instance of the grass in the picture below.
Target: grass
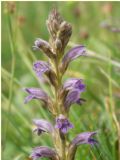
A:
(100, 70)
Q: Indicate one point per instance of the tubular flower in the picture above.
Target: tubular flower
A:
(44, 152)
(72, 97)
(63, 124)
(74, 83)
(41, 67)
(71, 55)
(42, 126)
(82, 138)
(36, 93)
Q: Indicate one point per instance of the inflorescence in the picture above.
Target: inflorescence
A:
(64, 94)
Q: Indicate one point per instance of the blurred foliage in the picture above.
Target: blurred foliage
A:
(22, 23)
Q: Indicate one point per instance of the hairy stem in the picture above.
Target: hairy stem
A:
(62, 143)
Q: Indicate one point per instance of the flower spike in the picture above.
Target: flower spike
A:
(64, 95)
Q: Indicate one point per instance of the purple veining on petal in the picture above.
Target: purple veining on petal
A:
(71, 55)
(74, 53)
(72, 97)
(35, 93)
(41, 67)
(43, 152)
(84, 138)
(63, 124)
(73, 83)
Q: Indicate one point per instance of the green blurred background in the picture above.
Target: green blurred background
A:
(22, 23)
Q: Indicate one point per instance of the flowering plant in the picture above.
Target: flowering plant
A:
(64, 94)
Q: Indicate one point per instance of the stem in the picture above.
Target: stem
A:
(58, 86)
(62, 138)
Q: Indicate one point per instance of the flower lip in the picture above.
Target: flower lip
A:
(63, 124)
(72, 54)
(73, 83)
(75, 52)
(41, 67)
(39, 131)
(35, 93)
(42, 126)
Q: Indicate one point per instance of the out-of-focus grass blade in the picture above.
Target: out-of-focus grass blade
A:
(106, 59)
(19, 157)
(108, 77)
(98, 56)
(7, 74)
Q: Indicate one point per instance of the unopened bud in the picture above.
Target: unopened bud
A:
(44, 46)
(64, 33)
(53, 23)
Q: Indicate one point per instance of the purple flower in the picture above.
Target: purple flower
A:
(71, 92)
(36, 93)
(84, 138)
(74, 83)
(42, 126)
(72, 97)
(63, 124)
(41, 67)
(44, 152)
(71, 55)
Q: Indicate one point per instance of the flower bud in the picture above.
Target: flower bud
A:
(44, 46)
(64, 33)
(53, 23)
